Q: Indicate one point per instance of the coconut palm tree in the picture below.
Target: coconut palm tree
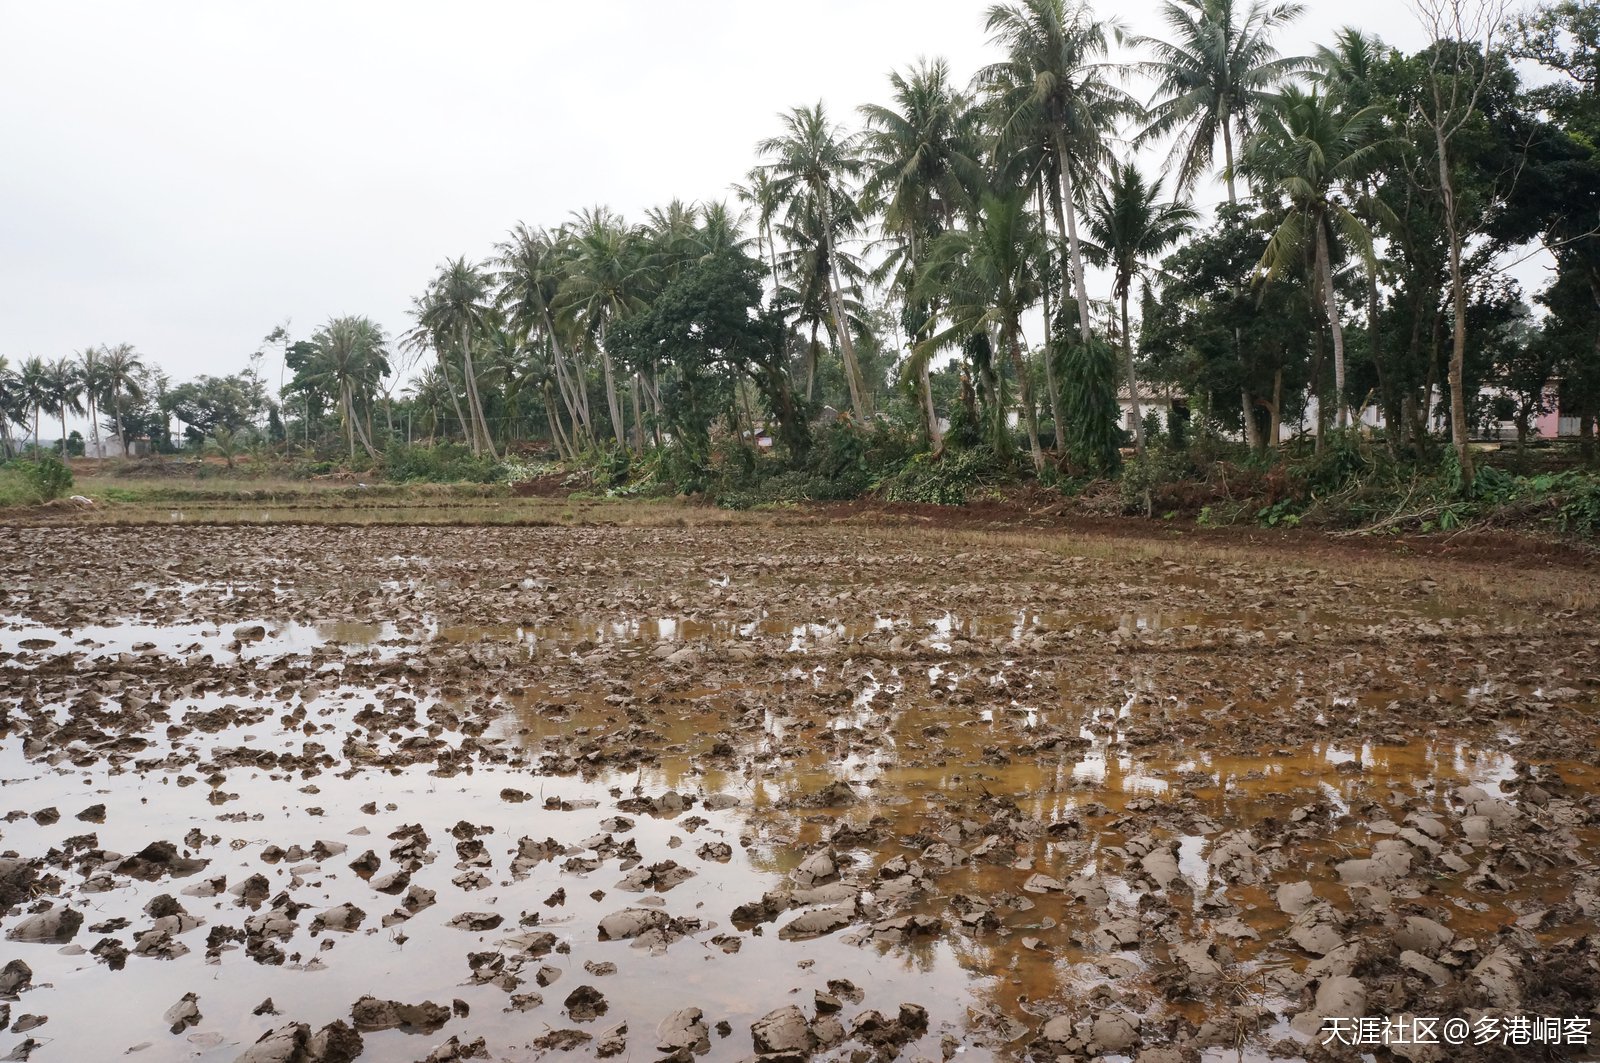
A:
(1131, 225)
(459, 299)
(532, 272)
(1054, 85)
(1351, 65)
(987, 275)
(1309, 149)
(91, 369)
(921, 156)
(12, 408)
(33, 386)
(607, 278)
(813, 163)
(720, 229)
(1212, 77)
(121, 366)
(353, 357)
(430, 396)
(761, 192)
(1350, 68)
(65, 385)
(425, 335)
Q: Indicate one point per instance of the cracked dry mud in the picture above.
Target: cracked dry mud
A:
(300, 794)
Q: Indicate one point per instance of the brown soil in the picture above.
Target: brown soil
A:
(853, 783)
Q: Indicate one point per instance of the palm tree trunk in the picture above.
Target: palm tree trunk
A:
(37, 448)
(811, 361)
(638, 420)
(1227, 154)
(1458, 295)
(455, 403)
(1133, 382)
(1275, 429)
(1050, 383)
(935, 436)
(860, 401)
(653, 392)
(558, 432)
(474, 400)
(1252, 432)
(847, 348)
(94, 424)
(1318, 382)
(612, 404)
(1025, 390)
(366, 440)
(571, 393)
(1074, 252)
(1391, 401)
(349, 418)
(1325, 268)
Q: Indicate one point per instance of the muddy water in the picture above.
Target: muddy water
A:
(1018, 757)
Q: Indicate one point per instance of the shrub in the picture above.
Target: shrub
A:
(49, 477)
(1579, 512)
(440, 463)
(1090, 436)
(1143, 477)
(947, 481)
(30, 481)
(847, 461)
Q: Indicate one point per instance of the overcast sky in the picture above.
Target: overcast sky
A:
(183, 177)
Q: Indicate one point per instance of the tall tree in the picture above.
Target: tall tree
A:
(1212, 77)
(459, 301)
(1461, 65)
(122, 367)
(532, 271)
(1131, 225)
(65, 384)
(607, 277)
(1563, 37)
(920, 150)
(33, 386)
(1055, 79)
(13, 411)
(352, 357)
(813, 163)
(1308, 150)
(1351, 69)
(91, 369)
(988, 275)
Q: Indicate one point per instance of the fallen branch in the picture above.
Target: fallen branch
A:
(1394, 521)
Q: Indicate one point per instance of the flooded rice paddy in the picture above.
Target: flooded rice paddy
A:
(305, 794)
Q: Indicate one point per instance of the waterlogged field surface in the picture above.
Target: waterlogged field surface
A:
(404, 793)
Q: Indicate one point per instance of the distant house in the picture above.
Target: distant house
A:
(111, 447)
(1556, 423)
(1167, 402)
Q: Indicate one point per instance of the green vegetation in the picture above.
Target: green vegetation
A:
(905, 308)
(27, 482)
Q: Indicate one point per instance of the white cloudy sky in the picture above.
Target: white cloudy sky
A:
(184, 176)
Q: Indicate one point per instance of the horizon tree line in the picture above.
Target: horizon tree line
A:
(1359, 261)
